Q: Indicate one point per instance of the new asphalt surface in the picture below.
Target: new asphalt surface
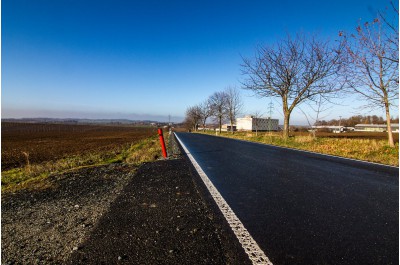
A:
(305, 208)
(160, 217)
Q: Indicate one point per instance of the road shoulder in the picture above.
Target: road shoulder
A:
(160, 218)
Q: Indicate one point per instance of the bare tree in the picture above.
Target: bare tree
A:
(372, 66)
(256, 116)
(206, 111)
(391, 24)
(193, 117)
(234, 104)
(294, 70)
(218, 105)
(318, 107)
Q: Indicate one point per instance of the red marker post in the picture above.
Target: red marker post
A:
(164, 150)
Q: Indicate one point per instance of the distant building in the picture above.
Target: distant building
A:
(227, 127)
(330, 128)
(250, 123)
(375, 127)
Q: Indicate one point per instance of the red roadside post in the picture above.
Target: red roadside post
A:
(164, 150)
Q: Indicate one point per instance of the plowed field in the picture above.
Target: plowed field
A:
(49, 142)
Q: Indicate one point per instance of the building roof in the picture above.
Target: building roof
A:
(327, 127)
(259, 118)
(376, 125)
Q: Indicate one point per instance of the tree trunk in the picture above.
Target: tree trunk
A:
(313, 133)
(388, 125)
(386, 101)
(220, 125)
(232, 126)
(286, 125)
(286, 113)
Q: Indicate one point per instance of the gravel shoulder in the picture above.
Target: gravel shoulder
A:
(157, 214)
(43, 227)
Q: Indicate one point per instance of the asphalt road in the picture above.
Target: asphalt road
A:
(304, 208)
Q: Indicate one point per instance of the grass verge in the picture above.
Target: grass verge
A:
(35, 176)
(372, 150)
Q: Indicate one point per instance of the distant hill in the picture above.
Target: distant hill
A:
(86, 121)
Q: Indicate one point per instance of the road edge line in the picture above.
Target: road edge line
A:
(250, 246)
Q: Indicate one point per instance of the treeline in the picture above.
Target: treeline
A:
(357, 119)
(221, 106)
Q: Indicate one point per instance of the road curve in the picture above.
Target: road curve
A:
(305, 208)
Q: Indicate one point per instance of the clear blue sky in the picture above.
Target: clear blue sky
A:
(148, 59)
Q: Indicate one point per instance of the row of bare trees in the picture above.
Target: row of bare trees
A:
(356, 119)
(221, 106)
(304, 68)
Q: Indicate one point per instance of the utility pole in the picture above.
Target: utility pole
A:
(270, 106)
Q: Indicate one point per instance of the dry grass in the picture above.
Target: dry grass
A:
(34, 176)
(373, 150)
(145, 151)
(304, 139)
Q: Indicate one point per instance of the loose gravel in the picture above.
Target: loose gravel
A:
(44, 227)
(118, 214)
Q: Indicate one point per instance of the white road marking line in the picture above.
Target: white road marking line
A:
(250, 246)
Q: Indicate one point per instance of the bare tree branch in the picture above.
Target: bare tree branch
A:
(371, 65)
(234, 104)
(205, 112)
(193, 117)
(295, 70)
(218, 102)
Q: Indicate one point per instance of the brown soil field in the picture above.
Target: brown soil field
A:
(49, 142)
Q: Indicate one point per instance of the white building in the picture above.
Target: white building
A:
(227, 127)
(250, 123)
(331, 128)
(375, 127)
